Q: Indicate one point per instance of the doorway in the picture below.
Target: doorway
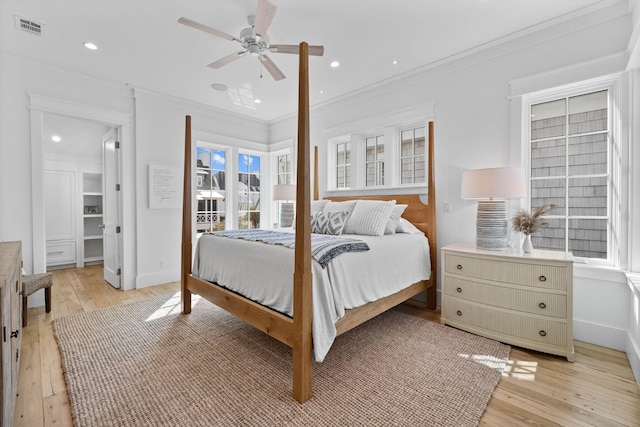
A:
(85, 172)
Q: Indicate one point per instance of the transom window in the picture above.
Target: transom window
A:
(374, 160)
(343, 165)
(412, 155)
(284, 169)
(569, 148)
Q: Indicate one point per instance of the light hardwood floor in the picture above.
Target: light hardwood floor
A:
(538, 389)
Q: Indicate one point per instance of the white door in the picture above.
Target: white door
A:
(111, 208)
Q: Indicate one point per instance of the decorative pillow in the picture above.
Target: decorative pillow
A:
(406, 227)
(369, 217)
(394, 219)
(317, 205)
(328, 222)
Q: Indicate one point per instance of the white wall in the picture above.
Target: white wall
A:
(473, 129)
(160, 133)
(19, 79)
(150, 235)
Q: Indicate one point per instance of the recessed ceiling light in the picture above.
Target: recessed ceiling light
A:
(394, 62)
(334, 64)
(220, 86)
(90, 46)
(56, 138)
(257, 101)
(321, 92)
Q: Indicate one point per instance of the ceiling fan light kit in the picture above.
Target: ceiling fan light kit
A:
(254, 40)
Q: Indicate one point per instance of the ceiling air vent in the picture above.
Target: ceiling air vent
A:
(30, 27)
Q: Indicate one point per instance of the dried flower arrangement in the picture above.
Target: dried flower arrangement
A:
(529, 223)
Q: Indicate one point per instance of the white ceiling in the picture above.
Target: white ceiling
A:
(142, 45)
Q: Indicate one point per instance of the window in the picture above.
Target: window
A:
(374, 160)
(210, 189)
(570, 144)
(343, 165)
(412, 155)
(284, 169)
(285, 209)
(248, 191)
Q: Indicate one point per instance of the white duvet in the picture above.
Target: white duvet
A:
(264, 274)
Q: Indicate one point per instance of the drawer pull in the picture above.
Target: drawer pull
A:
(543, 333)
(459, 267)
(459, 313)
(459, 290)
(542, 305)
(542, 278)
(55, 253)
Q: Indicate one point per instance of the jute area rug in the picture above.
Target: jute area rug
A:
(145, 364)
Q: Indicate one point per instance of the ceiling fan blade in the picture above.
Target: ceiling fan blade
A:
(198, 26)
(264, 16)
(292, 48)
(271, 68)
(224, 61)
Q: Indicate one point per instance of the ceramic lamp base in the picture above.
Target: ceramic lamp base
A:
(492, 229)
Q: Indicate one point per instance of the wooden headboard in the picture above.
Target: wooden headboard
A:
(421, 215)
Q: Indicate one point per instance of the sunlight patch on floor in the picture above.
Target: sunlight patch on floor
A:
(521, 370)
(489, 361)
(172, 306)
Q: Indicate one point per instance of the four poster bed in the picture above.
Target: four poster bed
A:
(296, 323)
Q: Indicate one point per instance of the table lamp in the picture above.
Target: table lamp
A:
(492, 187)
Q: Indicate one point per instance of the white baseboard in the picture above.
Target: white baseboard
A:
(633, 354)
(605, 336)
(157, 278)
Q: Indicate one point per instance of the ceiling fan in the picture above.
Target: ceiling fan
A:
(254, 40)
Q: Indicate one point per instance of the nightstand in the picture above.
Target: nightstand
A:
(520, 299)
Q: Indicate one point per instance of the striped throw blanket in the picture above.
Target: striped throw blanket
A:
(323, 247)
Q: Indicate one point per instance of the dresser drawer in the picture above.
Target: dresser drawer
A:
(536, 302)
(519, 273)
(511, 324)
(61, 253)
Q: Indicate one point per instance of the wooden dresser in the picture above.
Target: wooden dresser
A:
(11, 321)
(520, 299)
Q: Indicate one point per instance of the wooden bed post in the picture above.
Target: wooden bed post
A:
(431, 200)
(302, 296)
(186, 220)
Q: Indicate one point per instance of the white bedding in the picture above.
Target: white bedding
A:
(264, 273)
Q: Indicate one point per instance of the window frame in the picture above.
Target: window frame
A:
(379, 163)
(616, 203)
(211, 147)
(391, 135)
(262, 156)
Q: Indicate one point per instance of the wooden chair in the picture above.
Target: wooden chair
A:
(33, 283)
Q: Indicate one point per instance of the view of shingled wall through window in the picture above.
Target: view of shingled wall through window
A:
(569, 168)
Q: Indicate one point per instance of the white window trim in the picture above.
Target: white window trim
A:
(264, 184)
(618, 105)
(273, 177)
(332, 151)
(228, 197)
(392, 150)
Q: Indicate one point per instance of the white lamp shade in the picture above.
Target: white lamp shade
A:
(284, 192)
(494, 183)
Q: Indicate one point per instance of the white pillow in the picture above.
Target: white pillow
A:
(317, 205)
(369, 217)
(406, 227)
(394, 219)
(347, 206)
